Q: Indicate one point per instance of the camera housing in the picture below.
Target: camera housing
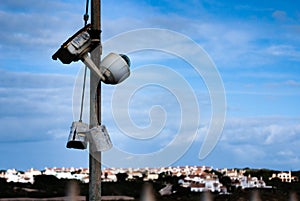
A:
(76, 46)
(115, 68)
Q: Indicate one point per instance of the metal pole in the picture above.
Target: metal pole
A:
(95, 107)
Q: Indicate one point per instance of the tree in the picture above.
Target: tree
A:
(226, 181)
(105, 175)
(121, 177)
(3, 184)
(44, 181)
(275, 182)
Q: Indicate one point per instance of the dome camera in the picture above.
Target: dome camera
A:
(115, 68)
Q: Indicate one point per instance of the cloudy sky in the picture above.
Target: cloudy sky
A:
(162, 113)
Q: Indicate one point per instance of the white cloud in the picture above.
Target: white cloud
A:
(261, 141)
(248, 153)
(58, 133)
(32, 104)
(279, 15)
(292, 83)
(283, 50)
(32, 31)
(261, 130)
(285, 153)
(281, 133)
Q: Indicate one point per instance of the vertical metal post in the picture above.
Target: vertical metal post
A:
(95, 107)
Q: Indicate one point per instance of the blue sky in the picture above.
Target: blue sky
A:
(253, 44)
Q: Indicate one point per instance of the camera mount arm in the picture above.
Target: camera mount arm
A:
(92, 66)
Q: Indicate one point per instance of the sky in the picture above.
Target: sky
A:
(196, 66)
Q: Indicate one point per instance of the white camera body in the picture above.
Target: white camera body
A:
(115, 68)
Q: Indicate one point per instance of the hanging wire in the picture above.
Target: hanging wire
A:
(98, 99)
(85, 18)
(86, 15)
(82, 96)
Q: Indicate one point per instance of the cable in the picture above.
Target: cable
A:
(86, 15)
(85, 18)
(82, 95)
(98, 102)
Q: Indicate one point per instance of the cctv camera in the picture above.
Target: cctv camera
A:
(115, 68)
(76, 46)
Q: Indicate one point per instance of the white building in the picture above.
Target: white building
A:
(151, 176)
(29, 175)
(12, 175)
(201, 183)
(252, 182)
(234, 174)
(285, 177)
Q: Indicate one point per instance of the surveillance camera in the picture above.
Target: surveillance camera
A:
(77, 45)
(115, 68)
